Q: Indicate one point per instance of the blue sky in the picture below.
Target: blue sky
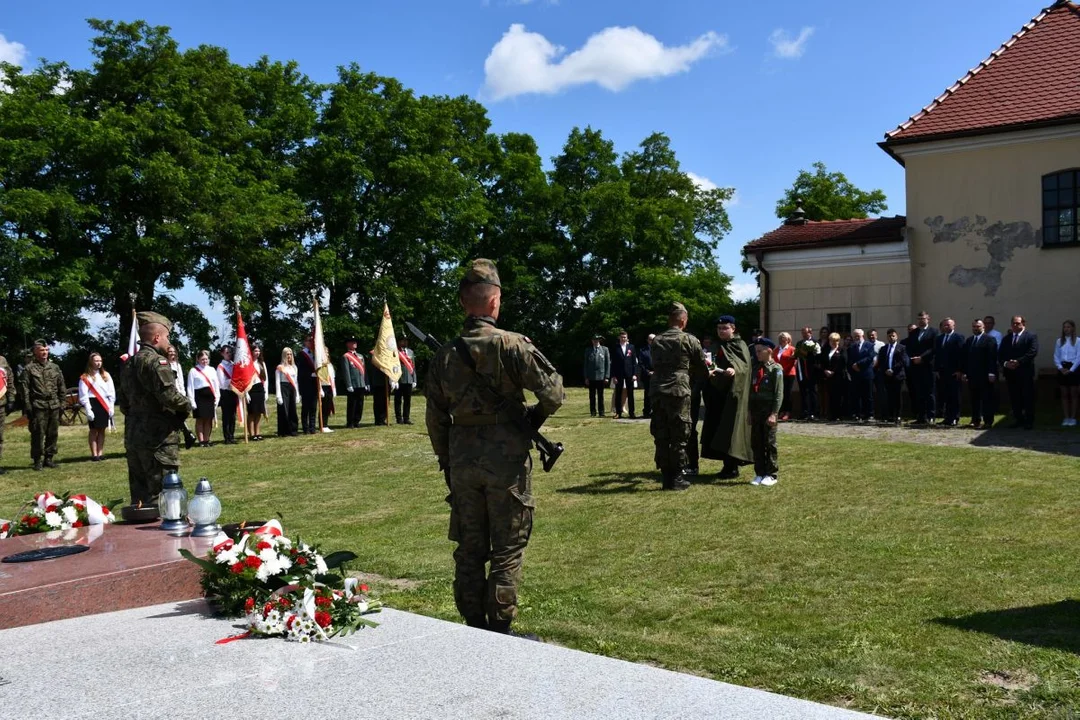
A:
(749, 92)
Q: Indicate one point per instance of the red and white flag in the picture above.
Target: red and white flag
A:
(243, 367)
(133, 338)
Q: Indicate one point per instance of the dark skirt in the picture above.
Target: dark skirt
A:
(204, 404)
(101, 416)
(256, 400)
(1069, 379)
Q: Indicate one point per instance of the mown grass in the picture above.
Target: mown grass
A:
(912, 581)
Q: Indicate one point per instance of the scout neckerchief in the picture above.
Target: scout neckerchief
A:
(91, 386)
(406, 361)
(207, 379)
(759, 377)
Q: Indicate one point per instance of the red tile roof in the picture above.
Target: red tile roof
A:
(1032, 79)
(828, 233)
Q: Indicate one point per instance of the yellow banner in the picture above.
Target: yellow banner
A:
(385, 353)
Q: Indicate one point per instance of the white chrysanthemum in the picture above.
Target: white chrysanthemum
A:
(53, 519)
(70, 514)
(228, 557)
(268, 555)
(320, 565)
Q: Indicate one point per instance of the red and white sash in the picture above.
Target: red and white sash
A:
(356, 361)
(227, 372)
(288, 376)
(209, 384)
(3, 384)
(89, 383)
(407, 362)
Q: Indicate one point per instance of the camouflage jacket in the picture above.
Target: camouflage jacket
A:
(766, 388)
(42, 386)
(10, 394)
(677, 359)
(149, 387)
(467, 424)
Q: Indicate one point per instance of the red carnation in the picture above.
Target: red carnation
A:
(77, 523)
(249, 605)
(33, 520)
(262, 545)
(237, 567)
(363, 587)
(253, 561)
(323, 602)
(301, 560)
(293, 552)
(267, 608)
(323, 618)
(289, 622)
(5, 527)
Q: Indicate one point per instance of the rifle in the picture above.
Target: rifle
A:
(523, 418)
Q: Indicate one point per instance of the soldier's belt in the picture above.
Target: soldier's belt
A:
(493, 419)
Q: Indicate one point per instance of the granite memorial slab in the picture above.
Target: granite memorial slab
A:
(162, 662)
(125, 566)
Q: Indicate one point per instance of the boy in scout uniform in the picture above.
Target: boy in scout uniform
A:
(766, 395)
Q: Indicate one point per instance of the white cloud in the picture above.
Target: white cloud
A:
(702, 182)
(787, 48)
(526, 62)
(11, 51)
(743, 291)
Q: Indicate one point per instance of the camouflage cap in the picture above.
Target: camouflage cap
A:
(146, 317)
(481, 271)
(676, 307)
(40, 343)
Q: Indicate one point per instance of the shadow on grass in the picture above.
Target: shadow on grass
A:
(1047, 441)
(1053, 625)
(611, 483)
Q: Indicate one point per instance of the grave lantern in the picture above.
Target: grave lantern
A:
(204, 509)
(171, 504)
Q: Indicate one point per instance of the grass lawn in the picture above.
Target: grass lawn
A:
(908, 580)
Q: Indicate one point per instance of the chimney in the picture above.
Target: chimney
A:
(797, 217)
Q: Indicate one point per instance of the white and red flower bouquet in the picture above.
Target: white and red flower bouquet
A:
(283, 587)
(47, 512)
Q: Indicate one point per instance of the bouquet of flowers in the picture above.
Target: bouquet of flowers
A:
(806, 348)
(282, 587)
(48, 512)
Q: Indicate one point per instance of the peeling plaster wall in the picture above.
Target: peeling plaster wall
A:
(974, 229)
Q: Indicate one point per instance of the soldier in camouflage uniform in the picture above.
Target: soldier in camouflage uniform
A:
(766, 396)
(7, 399)
(483, 451)
(44, 393)
(154, 409)
(677, 362)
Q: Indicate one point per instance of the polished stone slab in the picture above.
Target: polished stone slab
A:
(162, 662)
(126, 566)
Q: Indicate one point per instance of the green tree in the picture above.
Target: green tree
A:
(826, 195)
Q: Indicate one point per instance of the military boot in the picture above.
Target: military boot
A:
(37, 464)
(50, 463)
(480, 623)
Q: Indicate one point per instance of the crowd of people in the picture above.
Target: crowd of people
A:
(919, 371)
(301, 391)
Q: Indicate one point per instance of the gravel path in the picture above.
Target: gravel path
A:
(1063, 442)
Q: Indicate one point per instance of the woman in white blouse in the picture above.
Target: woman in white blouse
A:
(285, 377)
(97, 394)
(329, 390)
(203, 392)
(174, 363)
(1067, 362)
(256, 394)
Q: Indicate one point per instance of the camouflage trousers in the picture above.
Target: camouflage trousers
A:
(670, 428)
(153, 451)
(44, 431)
(763, 441)
(491, 517)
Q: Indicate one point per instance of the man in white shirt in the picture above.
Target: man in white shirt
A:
(988, 324)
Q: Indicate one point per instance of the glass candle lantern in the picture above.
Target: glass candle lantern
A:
(203, 510)
(171, 504)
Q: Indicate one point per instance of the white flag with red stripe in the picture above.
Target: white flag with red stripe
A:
(243, 366)
(133, 338)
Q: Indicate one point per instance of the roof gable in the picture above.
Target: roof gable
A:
(830, 233)
(1033, 79)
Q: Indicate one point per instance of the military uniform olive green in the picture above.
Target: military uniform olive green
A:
(7, 400)
(487, 454)
(153, 407)
(44, 393)
(677, 362)
(766, 396)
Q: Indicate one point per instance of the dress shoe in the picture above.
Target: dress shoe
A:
(727, 474)
(408, 421)
(633, 416)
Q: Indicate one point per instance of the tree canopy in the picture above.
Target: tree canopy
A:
(826, 195)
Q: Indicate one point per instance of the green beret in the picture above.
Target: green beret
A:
(481, 271)
(676, 307)
(145, 318)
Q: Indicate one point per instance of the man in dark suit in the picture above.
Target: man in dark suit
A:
(860, 360)
(646, 370)
(892, 368)
(308, 385)
(920, 348)
(905, 341)
(1017, 355)
(624, 368)
(979, 363)
(807, 369)
(947, 366)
